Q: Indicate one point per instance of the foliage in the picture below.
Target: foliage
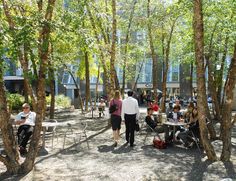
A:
(15, 101)
(61, 101)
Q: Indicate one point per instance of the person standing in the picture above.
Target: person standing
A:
(130, 114)
(116, 116)
(26, 120)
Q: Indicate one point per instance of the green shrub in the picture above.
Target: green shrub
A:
(61, 101)
(15, 101)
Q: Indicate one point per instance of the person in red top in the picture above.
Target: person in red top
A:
(116, 117)
(154, 106)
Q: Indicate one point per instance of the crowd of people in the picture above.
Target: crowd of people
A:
(126, 111)
(186, 133)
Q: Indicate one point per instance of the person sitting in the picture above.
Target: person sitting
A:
(26, 120)
(193, 126)
(153, 124)
(175, 114)
(177, 104)
(154, 106)
(189, 111)
(101, 107)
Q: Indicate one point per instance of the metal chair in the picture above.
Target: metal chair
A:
(150, 131)
(51, 130)
(74, 133)
(195, 139)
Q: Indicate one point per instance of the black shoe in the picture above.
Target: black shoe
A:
(23, 151)
(115, 144)
(132, 145)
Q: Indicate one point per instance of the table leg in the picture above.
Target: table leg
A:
(174, 138)
(43, 150)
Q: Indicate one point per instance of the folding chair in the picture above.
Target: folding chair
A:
(71, 133)
(195, 139)
(150, 131)
(51, 130)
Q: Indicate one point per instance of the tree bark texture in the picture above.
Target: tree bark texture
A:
(22, 55)
(78, 95)
(96, 89)
(227, 110)
(201, 86)
(127, 37)
(102, 55)
(185, 80)
(113, 49)
(8, 138)
(153, 53)
(40, 110)
(166, 68)
(87, 77)
(51, 75)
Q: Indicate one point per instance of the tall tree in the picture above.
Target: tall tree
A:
(113, 49)
(12, 164)
(153, 52)
(201, 82)
(166, 65)
(87, 78)
(227, 121)
(127, 38)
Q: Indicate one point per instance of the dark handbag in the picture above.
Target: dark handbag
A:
(113, 107)
(159, 144)
(137, 128)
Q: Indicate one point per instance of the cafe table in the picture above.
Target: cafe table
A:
(174, 124)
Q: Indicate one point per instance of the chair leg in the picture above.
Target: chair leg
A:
(86, 139)
(196, 142)
(145, 138)
(52, 139)
(64, 141)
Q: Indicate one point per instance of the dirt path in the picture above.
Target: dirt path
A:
(142, 163)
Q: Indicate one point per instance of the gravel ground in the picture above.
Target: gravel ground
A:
(143, 162)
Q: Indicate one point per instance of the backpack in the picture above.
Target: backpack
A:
(159, 144)
(113, 107)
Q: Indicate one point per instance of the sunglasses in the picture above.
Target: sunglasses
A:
(25, 107)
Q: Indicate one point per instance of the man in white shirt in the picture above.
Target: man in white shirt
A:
(130, 114)
(26, 120)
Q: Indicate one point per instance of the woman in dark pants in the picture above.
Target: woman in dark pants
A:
(116, 116)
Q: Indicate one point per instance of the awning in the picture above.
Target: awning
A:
(13, 78)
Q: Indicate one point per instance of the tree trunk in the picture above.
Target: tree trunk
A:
(166, 65)
(87, 77)
(78, 95)
(25, 67)
(184, 80)
(227, 110)
(44, 36)
(136, 81)
(51, 75)
(103, 58)
(153, 53)
(11, 160)
(191, 81)
(113, 49)
(201, 86)
(96, 89)
(52, 91)
(126, 46)
(221, 72)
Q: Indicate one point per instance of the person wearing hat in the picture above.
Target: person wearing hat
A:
(26, 120)
(130, 114)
